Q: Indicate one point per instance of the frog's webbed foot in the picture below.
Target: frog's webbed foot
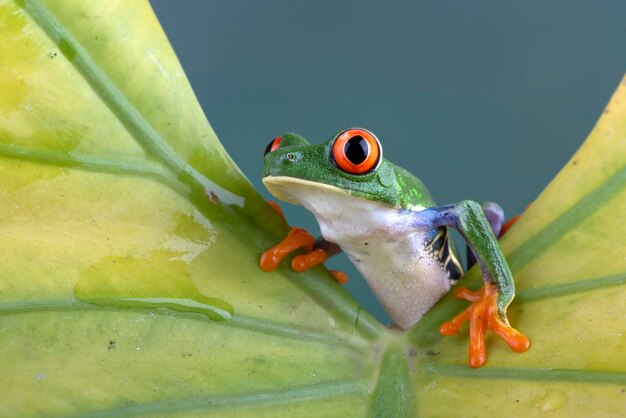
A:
(482, 314)
(297, 238)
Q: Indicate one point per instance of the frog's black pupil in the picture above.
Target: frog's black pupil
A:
(269, 147)
(356, 149)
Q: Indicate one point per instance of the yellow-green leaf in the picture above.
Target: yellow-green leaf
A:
(568, 256)
(129, 247)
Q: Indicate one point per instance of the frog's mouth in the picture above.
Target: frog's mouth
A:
(297, 191)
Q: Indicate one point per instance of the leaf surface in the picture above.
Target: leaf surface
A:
(129, 247)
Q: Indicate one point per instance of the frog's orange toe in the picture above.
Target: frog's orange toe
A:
(306, 261)
(340, 276)
(465, 293)
(483, 314)
(296, 238)
(452, 326)
(514, 339)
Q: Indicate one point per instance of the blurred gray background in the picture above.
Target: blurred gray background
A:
(480, 99)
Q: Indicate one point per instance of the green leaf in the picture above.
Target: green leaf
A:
(129, 282)
(568, 259)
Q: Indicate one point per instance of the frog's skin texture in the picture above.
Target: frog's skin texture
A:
(387, 223)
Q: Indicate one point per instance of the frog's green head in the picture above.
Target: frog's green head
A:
(349, 163)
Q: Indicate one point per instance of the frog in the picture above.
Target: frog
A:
(387, 223)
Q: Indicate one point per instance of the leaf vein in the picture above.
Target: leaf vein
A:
(563, 289)
(264, 326)
(535, 374)
(141, 130)
(568, 220)
(243, 400)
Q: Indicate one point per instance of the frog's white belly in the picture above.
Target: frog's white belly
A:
(381, 241)
(406, 278)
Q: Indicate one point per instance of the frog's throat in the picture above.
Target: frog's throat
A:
(293, 190)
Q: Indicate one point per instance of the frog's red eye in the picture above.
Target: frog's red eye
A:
(273, 145)
(356, 151)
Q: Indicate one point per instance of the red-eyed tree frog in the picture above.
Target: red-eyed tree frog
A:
(385, 220)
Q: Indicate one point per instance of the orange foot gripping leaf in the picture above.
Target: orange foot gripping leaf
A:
(483, 314)
(295, 239)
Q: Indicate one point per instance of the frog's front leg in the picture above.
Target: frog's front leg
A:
(322, 250)
(489, 305)
(318, 251)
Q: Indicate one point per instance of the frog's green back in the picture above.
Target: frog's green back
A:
(397, 187)
(412, 192)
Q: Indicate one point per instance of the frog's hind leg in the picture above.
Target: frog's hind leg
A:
(495, 216)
